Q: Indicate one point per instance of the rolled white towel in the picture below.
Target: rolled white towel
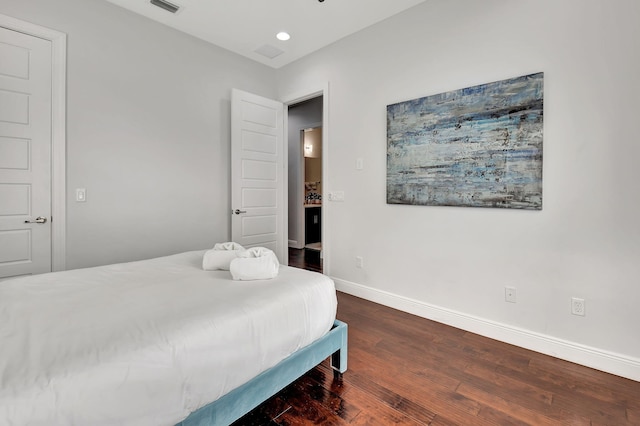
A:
(228, 246)
(220, 257)
(256, 263)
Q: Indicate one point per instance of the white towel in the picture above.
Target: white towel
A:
(220, 257)
(228, 246)
(256, 263)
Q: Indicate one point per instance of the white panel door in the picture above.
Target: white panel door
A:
(25, 154)
(257, 173)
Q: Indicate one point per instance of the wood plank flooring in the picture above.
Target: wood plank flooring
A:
(305, 259)
(411, 371)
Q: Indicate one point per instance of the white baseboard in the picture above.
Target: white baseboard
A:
(609, 362)
(295, 244)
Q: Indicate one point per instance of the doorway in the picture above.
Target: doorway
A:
(305, 176)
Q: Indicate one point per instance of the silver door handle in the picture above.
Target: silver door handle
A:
(39, 219)
(238, 211)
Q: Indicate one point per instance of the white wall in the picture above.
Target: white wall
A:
(452, 264)
(148, 132)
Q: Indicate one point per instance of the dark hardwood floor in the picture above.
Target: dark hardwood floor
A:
(408, 370)
(305, 259)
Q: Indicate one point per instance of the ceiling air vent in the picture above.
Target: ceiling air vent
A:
(269, 51)
(170, 7)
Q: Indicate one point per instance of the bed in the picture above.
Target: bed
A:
(159, 342)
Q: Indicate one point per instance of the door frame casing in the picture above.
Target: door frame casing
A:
(58, 131)
(291, 99)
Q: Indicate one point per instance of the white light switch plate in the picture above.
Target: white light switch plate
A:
(336, 196)
(81, 195)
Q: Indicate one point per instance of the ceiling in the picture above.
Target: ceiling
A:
(248, 26)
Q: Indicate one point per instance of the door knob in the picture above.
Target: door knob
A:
(39, 219)
(238, 211)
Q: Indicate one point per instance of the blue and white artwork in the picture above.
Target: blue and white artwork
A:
(475, 147)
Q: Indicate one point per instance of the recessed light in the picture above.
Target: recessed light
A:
(283, 36)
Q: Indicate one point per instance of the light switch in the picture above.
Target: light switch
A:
(336, 196)
(81, 195)
(359, 164)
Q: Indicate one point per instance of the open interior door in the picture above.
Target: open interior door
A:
(258, 215)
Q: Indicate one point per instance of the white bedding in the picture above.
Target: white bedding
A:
(146, 343)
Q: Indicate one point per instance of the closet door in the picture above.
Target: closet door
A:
(25, 154)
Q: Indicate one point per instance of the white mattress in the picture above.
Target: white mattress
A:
(146, 343)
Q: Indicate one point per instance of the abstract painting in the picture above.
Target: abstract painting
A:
(474, 147)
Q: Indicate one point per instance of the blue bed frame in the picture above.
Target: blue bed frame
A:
(238, 402)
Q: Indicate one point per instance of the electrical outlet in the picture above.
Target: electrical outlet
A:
(359, 262)
(510, 294)
(577, 306)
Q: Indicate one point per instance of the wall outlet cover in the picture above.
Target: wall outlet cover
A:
(577, 306)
